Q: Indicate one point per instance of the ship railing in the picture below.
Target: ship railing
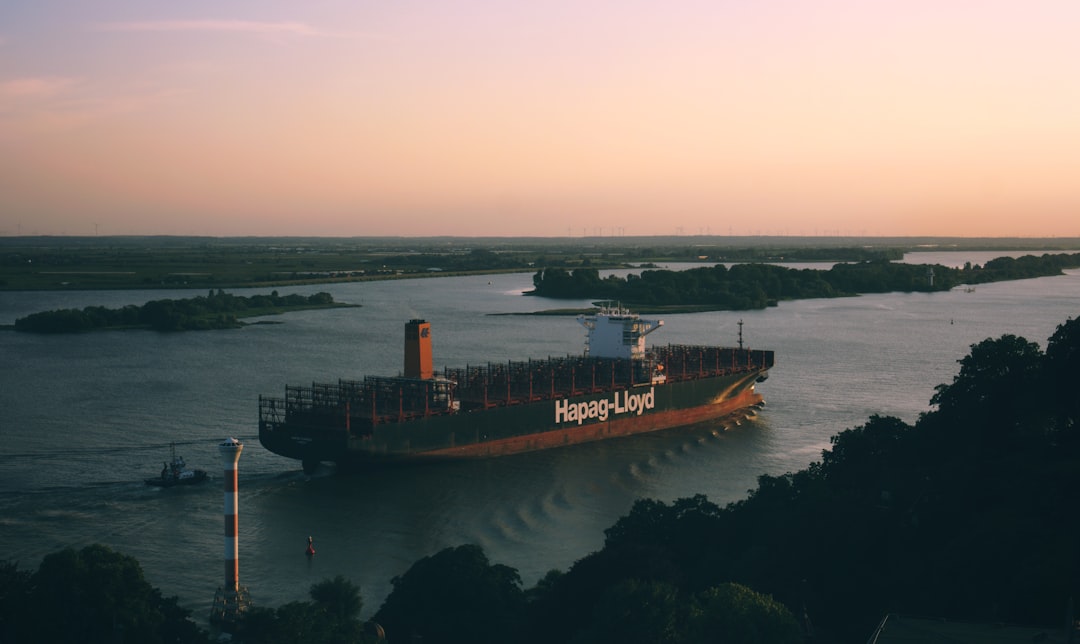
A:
(582, 370)
(271, 410)
(372, 399)
(275, 414)
(539, 379)
(298, 399)
(686, 362)
(377, 400)
(514, 383)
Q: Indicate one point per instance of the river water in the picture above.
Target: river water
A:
(84, 418)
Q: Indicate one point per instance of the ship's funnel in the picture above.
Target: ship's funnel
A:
(418, 362)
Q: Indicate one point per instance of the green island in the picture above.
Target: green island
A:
(966, 517)
(215, 310)
(756, 286)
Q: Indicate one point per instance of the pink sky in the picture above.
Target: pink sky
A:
(775, 117)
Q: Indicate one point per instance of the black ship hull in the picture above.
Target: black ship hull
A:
(314, 435)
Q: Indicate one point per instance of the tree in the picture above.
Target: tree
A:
(14, 585)
(993, 392)
(98, 595)
(568, 603)
(636, 612)
(735, 614)
(455, 595)
(862, 459)
(332, 617)
(296, 622)
(339, 597)
(686, 531)
(1063, 373)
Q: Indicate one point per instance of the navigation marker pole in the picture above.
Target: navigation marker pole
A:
(231, 600)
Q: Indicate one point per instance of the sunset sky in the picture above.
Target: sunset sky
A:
(554, 118)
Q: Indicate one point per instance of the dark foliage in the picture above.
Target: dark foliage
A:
(571, 598)
(88, 596)
(968, 514)
(756, 286)
(331, 617)
(734, 613)
(216, 310)
(1063, 376)
(455, 595)
(637, 612)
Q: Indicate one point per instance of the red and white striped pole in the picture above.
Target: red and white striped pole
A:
(230, 455)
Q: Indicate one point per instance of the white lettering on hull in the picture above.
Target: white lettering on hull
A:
(622, 402)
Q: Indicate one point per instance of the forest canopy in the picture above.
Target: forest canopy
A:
(756, 286)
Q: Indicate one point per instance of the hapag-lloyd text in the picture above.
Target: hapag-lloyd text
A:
(623, 402)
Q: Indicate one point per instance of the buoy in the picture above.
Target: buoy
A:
(310, 547)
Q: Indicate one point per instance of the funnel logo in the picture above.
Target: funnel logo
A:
(622, 402)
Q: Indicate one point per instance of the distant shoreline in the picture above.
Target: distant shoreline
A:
(42, 263)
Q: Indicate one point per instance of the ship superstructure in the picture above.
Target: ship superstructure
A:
(615, 332)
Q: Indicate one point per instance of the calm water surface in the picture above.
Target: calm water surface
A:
(84, 418)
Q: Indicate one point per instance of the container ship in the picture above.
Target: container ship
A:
(617, 387)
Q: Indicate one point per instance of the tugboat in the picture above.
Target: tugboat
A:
(176, 472)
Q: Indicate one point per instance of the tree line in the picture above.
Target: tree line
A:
(967, 514)
(756, 286)
(456, 595)
(216, 310)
